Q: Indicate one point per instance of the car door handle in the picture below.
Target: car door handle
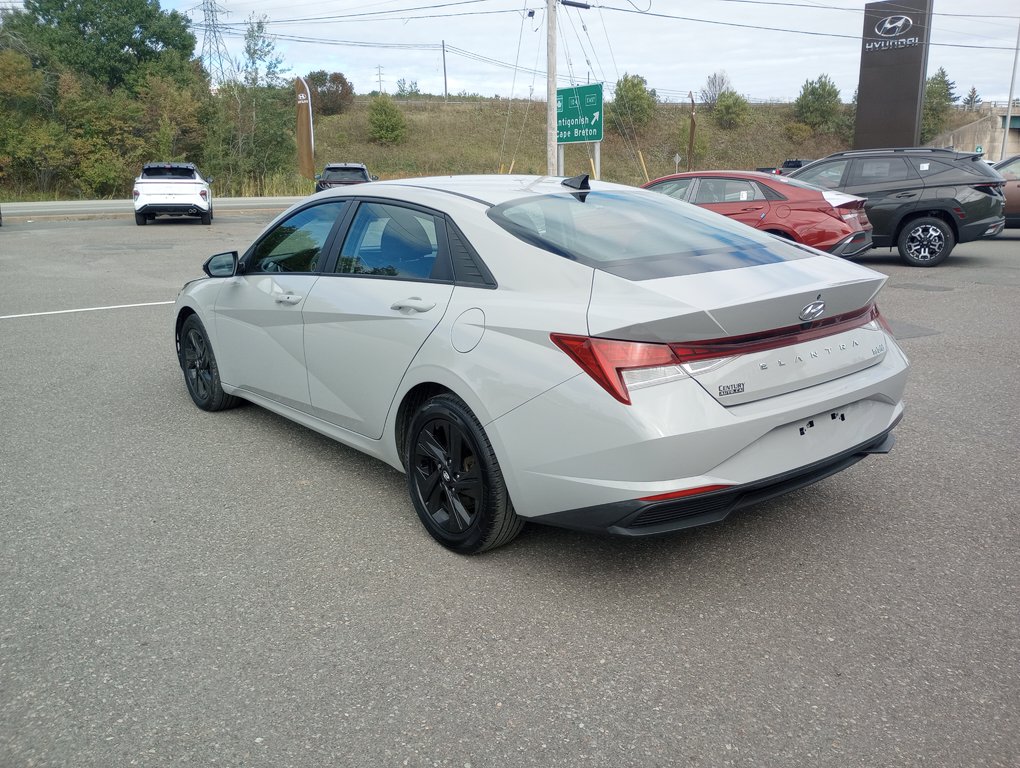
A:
(287, 298)
(753, 208)
(906, 194)
(413, 304)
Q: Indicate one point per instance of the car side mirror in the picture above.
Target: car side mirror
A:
(318, 176)
(221, 265)
(210, 180)
(374, 177)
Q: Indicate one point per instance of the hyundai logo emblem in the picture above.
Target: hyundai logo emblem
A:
(812, 311)
(893, 26)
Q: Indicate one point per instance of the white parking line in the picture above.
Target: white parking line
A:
(85, 309)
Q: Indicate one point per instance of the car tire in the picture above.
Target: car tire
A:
(140, 219)
(925, 242)
(454, 479)
(207, 217)
(201, 374)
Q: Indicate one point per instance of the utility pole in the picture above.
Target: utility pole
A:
(1009, 104)
(378, 71)
(446, 96)
(554, 152)
(550, 88)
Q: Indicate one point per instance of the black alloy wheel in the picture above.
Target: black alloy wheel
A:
(925, 242)
(454, 480)
(201, 374)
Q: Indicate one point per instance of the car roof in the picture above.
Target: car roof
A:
(900, 151)
(500, 188)
(486, 189)
(735, 174)
(361, 166)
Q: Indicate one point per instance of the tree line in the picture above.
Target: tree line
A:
(89, 91)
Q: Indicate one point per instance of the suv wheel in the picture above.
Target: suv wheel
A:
(925, 242)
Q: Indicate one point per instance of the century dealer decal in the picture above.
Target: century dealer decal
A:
(892, 30)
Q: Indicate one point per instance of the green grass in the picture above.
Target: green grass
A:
(487, 136)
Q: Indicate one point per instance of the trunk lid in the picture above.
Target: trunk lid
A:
(849, 208)
(739, 311)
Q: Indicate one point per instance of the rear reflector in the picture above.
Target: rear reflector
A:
(684, 493)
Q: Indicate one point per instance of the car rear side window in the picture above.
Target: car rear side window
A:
(1011, 170)
(638, 235)
(720, 190)
(390, 241)
(875, 170)
(925, 166)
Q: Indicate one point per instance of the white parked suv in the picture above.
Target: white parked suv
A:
(172, 189)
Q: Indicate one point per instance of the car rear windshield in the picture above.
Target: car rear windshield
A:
(344, 174)
(639, 235)
(168, 173)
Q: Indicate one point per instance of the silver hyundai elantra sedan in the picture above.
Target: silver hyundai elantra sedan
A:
(576, 353)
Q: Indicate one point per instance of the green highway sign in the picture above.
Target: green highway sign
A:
(579, 114)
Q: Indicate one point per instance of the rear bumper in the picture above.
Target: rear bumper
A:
(995, 229)
(852, 245)
(976, 230)
(172, 209)
(561, 462)
(642, 518)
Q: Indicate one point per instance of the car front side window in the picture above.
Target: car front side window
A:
(296, 244)
(827, 175)
(674, 188)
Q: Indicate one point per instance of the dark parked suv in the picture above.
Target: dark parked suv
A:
(921, 201)
(342, 175)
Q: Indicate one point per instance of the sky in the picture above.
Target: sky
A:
(767, 48)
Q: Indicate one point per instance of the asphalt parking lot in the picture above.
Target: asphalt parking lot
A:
(180, 588)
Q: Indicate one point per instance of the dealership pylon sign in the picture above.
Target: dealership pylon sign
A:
(894, 58)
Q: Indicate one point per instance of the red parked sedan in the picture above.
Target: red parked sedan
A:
(824, 219)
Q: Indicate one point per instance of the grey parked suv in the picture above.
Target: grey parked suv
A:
(922, 201)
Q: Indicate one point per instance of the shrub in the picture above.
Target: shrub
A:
(818, 104)
(730, 109)
(798, 133)
(386, 122)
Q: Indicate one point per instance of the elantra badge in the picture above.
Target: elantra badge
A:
(812, 311)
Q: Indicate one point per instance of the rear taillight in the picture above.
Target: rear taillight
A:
(842, 213)
(995, 190)
(135, 193)
(617, 366)
(621, 366)
(204, 194)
